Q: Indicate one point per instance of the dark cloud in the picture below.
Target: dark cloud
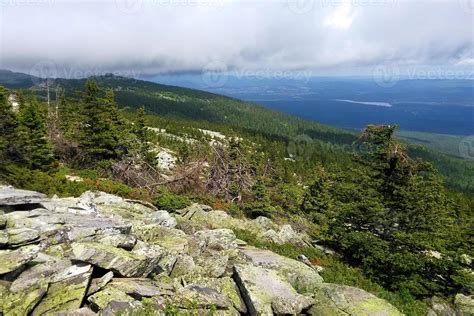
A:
(146, 37)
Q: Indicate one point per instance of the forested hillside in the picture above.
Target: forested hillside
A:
(397, 230)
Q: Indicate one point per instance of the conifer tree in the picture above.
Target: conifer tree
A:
(36, 147)
(8, 128)
(100, 139)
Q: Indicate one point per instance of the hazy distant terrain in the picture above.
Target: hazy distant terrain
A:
(435, 106)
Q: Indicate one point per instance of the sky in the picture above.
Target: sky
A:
(135, 38)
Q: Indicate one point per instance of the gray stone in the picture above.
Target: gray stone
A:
(21, 236)
(336, 299)
(265, 292)
(39, 273)
(184, 264)
(164, 218)
(84, 311)
(66, 293)
(101, 299)
(120, 261)
(464, 304)
(140, 287)
(11, 260)
(123, 241)
(99, 283)
(302, 277)
(3, 221)
(217, 239)
(195, 296)
(3, 238)
(440, 307)
(12, 196)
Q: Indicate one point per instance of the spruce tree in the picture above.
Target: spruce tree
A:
(100, 139)
(36, 148)
(8, 128)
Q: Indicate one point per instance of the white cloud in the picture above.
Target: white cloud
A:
(156, 36)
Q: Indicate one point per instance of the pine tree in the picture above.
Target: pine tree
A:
(100, 139)
(8, 128)
(36, 148)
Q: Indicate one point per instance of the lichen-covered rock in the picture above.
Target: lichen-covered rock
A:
(184, 264)
(265, 292)
(3, 221)
(12, 196)
(169, 238)
(163, 218)
(212, 265)
(39, 273)
(99, 283)
(66, 294)
(140, 287)
(120, 261)
(123, 241)
(101, 299)
(11, 260)
(464, 304)
(3, 238)
(225, 286)
(217, 239)
(23, 302)
(335, 299)
(302, 277)
(195, 296)
(18, 237)
(438, 307)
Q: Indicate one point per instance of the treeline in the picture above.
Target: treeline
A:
(385, 211)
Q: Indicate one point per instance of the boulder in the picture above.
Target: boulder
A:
(11, 260)
(23, 302)
(40, 273)
(196, 296)
(171, 239)
(120, 261)
(18, 237)
(302, 277)
(123, 241)
(438, 307)
(265, 292)
(109, 294)
(464, 304)
(99, 283)
(67, 293)
(217, 239)
(336, 299)
(3, 238)
(184, 264)
(163, 218)
(140, 287)
(11, 196)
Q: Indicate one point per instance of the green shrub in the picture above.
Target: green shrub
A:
(167, 200)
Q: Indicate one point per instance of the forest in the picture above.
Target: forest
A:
(399, 216)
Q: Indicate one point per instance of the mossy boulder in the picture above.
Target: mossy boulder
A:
(66, 294)
(464, 304)
(118, 260)
(266, 292)
(336, 299)
(302, 277)
(11, 260)
(23, 302)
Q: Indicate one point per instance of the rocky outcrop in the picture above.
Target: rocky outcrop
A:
(464, 304)
(103, 254)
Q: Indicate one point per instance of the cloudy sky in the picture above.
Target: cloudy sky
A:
(149, 37)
